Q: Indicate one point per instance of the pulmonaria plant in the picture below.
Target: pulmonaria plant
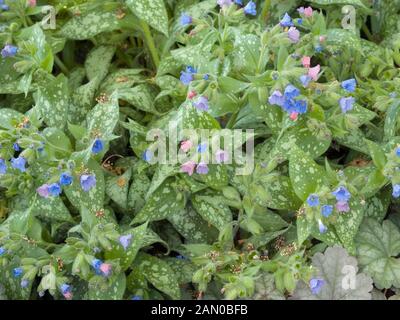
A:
(95, 202)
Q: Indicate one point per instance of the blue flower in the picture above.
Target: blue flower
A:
(289, 105)
(396, 190)
(250, 8)
(305, 80)
(16, 147)
(55, 189)
(346, 104)
(9, 50)
(202, 147)
(349, 85)
(316, 285)
(238, 2)
(3, 166)
(276, 98)
(291, 92)
(5, 7)
(313, 200)
(206, 76)
(286, 21)
(342, 194)
(98, 146)
(397, 154)
(326, 210)
(2, 251)
(87, 182)
(300, 106)
(24, 283)
(185, 19)
(322, 228)
(17, 272)
(96, 263)
(137, 298)
(300, 21)
(186, 78)
(125, 240)
(19, 163)
(65, 288)
(319, 48)
(65, 179)
(181, 257)
(147, 155)
(191, 69)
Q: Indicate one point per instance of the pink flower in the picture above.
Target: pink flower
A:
(105, 268)
(342, 206)
(32, 3)
(221, 156)
(294, 34)
(306, 61)
(188, 167)
(313, 72)
(191, 94)
(186, 145)
(322, 38)
(308, 12)
(294, 115)
(68, 295)
(43, 191)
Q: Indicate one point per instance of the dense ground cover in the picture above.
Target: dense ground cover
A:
(89, 211)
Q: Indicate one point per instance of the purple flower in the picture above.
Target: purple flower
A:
(322, 228)
(224, 3)
(276, 98)
(43, 191)
(9, 50)
(19, 163)
(65, 179)
(16, 147)
(202, 104)
(313, 200)
(17, 272)
(346, 104)
(55, 189)
(186, 77)
(125, 240)
(5, 7)
(396, 190)
(98, 146)
(316, 285)
(202, 168)
(221, 156)
(24, 283)
(342, 206)
(294, 34)
(291, 92)
(305, 80)
(342, 194)
(3, 166)
(349, 85)
(185, 19)
(300, 10)
(87, 182)
(326, 210)
(286, 21)
(250, 9)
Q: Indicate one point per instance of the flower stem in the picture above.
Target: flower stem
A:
(265, 10)
(150, 43)
(61, 65)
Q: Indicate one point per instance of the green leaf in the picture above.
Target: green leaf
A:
(377, 247)
(9, 117)
(103, 118)
(152, 12)
(338, 270)
(141, 96)
(117, 188)
(98, 62)
(161, 204)
(392, 115)
(159, 274)
(101, 288)
(52, 209)
(213, 210)
(52, 101)
(356, 3)
(377, 154)
(304, 173)
(88, 25)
